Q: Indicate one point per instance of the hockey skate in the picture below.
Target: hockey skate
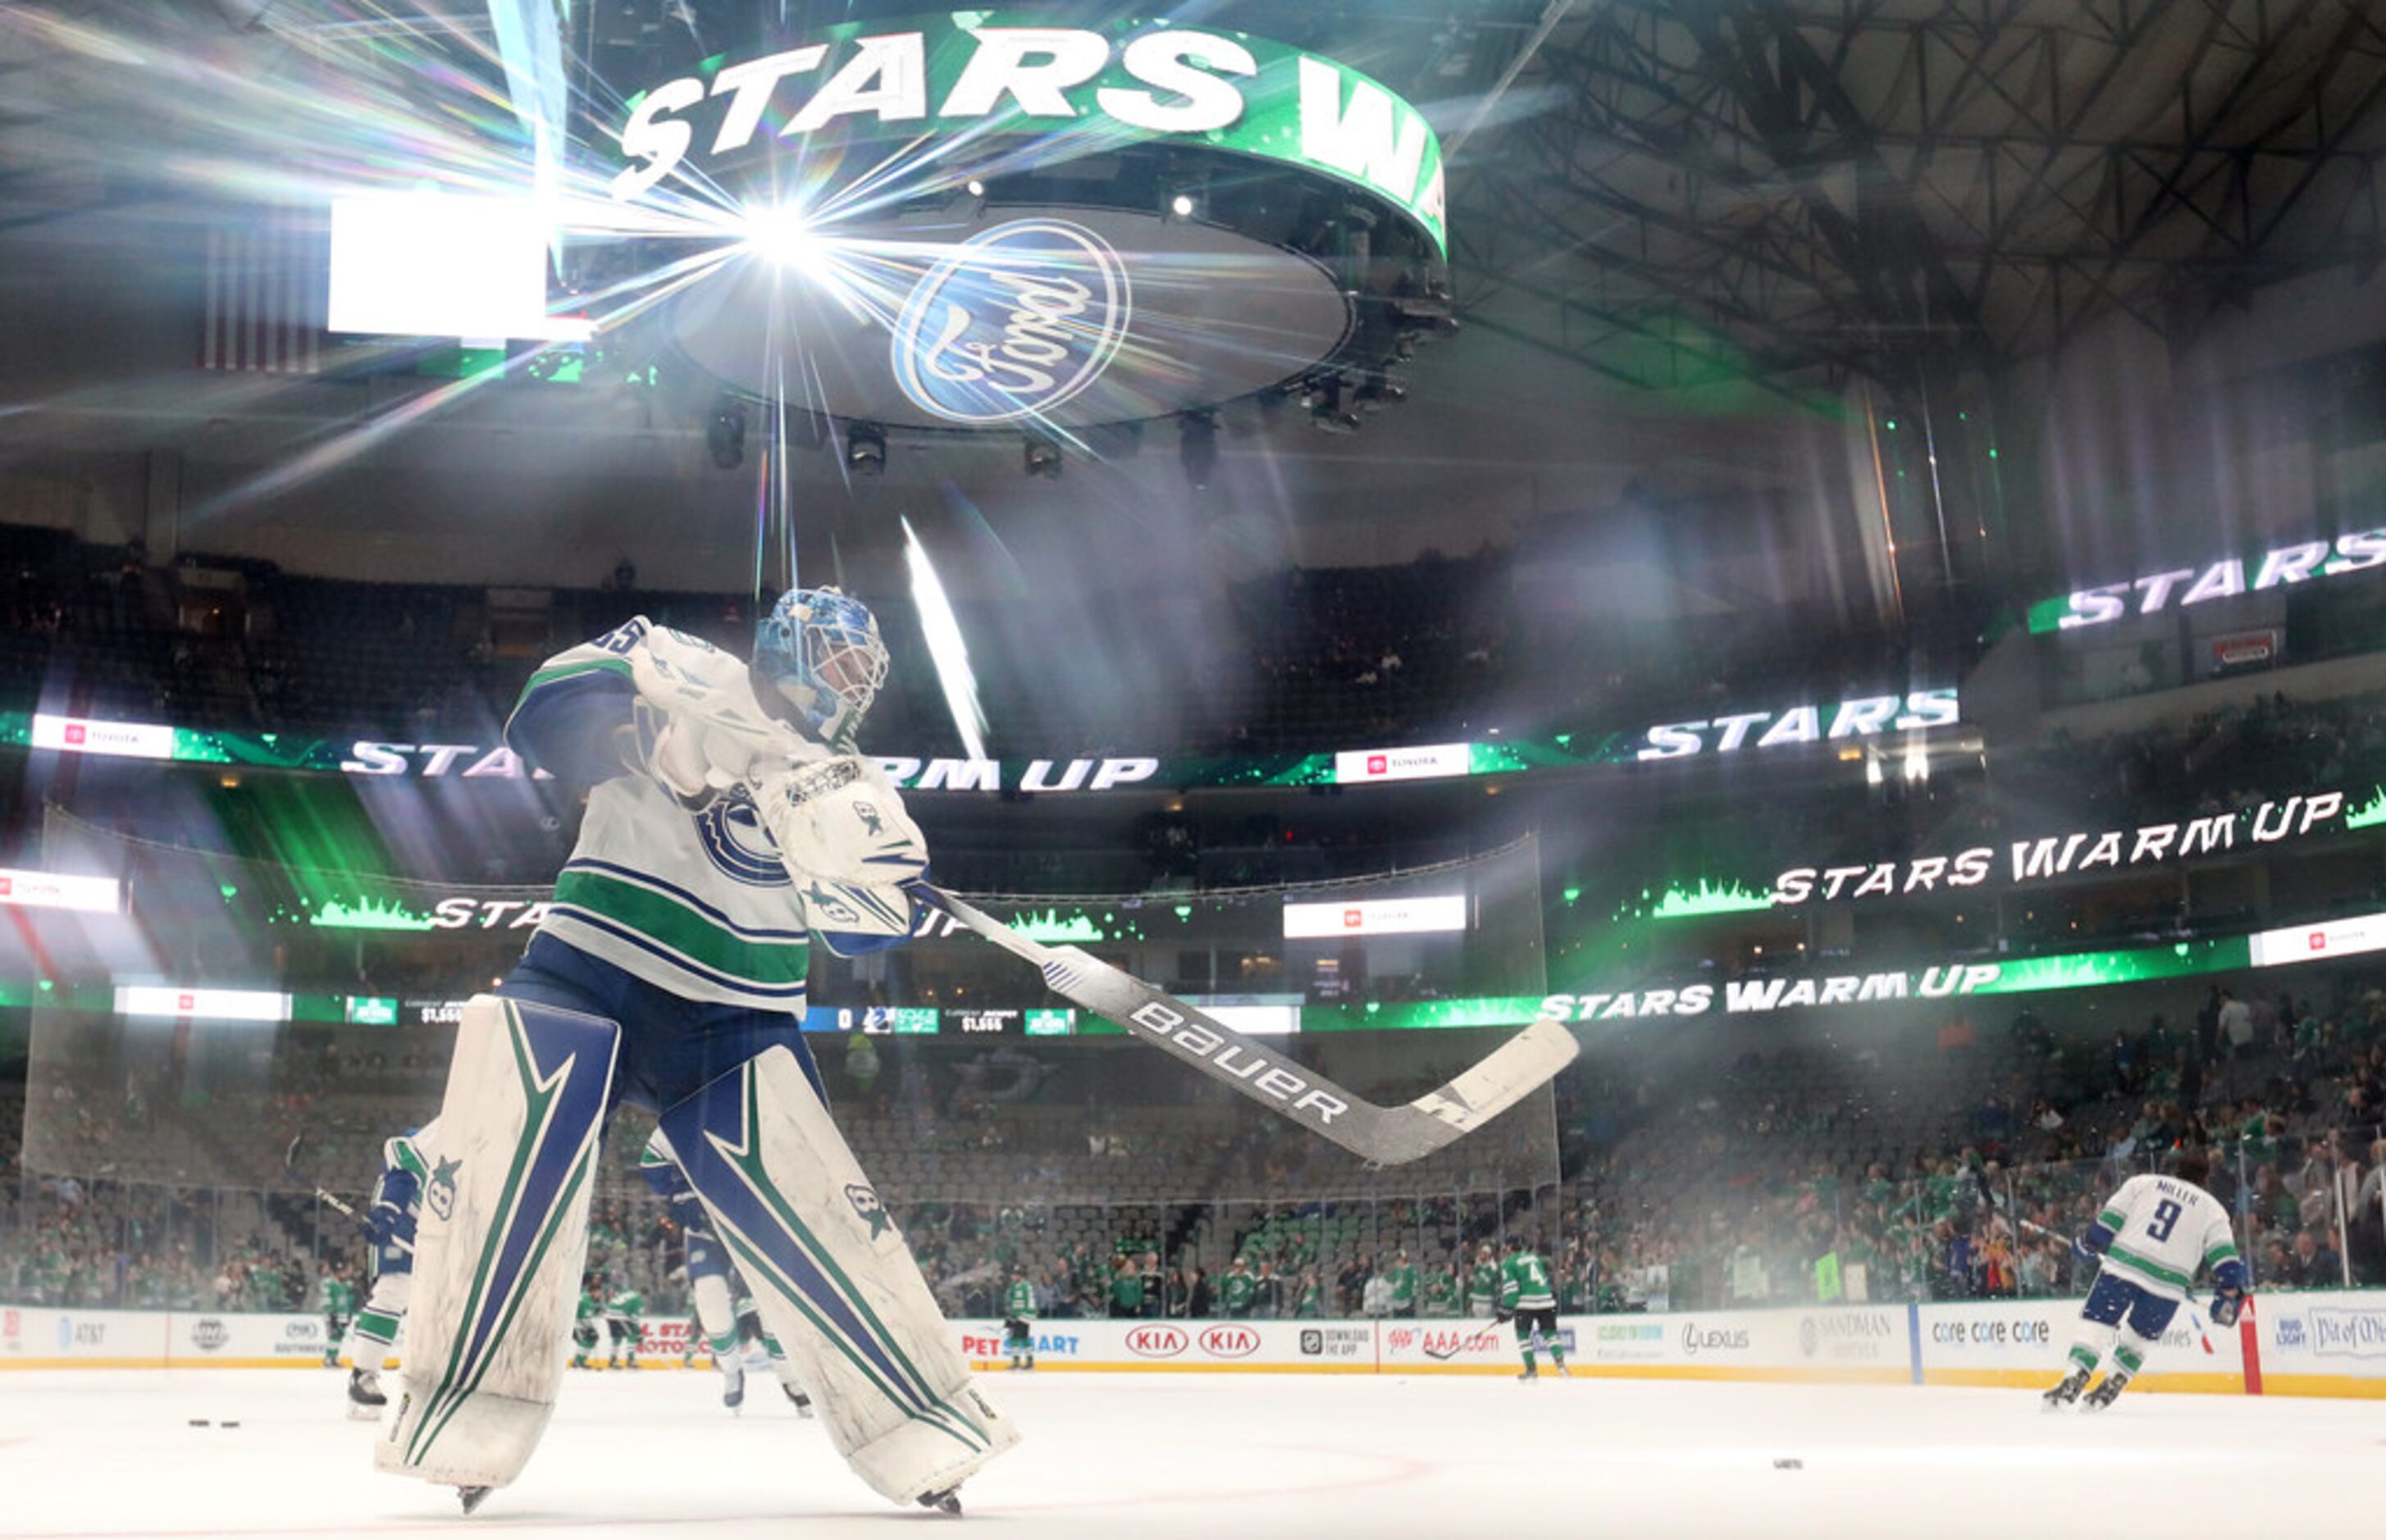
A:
(732, 1386)
(803, 1403)
(2068, 1392)
(946, 1501)
(2105, 1393)
(365, 1398)
(1530, 1373)
(472, 1497)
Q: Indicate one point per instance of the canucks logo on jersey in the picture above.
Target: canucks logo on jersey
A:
(730, 830)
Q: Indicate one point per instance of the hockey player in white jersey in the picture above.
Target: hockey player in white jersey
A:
(389, 1223)
(710, 1282)
(2154, 1235)
(729, 820)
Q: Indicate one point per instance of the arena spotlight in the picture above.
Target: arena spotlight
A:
(865, 449)
(1040, 457)
(1181, 206)
(1197, 447)
(724, 432)
(783, 236)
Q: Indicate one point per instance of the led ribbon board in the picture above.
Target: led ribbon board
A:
(1112, 292)
(2185, 586)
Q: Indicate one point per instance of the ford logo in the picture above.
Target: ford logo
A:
(1012, 323)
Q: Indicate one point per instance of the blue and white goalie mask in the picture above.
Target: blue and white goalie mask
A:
(818, 663)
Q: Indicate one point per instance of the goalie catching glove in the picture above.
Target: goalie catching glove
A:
(840, 820)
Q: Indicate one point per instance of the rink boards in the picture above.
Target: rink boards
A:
(2331, 1344)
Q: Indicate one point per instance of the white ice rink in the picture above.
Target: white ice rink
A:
(1144, 1457)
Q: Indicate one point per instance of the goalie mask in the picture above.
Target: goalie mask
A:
(818, 663)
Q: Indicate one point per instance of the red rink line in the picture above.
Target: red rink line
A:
(1402, 1467)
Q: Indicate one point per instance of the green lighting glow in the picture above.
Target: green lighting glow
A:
(1708, 899)
(2135, 965)
(2370, 812)
(1379, 1015)
(1050, 927)
(368, 914)
(1572, 891)
(1685, 903)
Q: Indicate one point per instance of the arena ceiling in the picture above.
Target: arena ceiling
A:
(1680, 205)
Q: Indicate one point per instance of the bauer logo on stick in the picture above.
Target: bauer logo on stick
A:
(865, 1203)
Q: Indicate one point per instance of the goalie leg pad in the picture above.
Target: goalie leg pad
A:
(834, 1281)
(503, 1232)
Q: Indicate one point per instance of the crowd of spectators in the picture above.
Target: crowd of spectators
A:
(1779, 1181)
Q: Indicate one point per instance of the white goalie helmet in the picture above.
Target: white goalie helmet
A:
(819, 663)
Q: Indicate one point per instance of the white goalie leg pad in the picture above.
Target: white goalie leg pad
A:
(498, 1252)
(834, 1281)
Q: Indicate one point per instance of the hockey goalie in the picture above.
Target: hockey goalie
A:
(729, 821)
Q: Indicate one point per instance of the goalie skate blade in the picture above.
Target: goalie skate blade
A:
(948, 1502)
(472, 1497)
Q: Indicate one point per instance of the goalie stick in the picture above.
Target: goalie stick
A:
(290, 1155)
(1380, 1135)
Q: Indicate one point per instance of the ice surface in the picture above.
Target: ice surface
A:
(1154, 1456)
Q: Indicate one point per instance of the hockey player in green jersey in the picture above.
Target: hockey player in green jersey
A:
(584, 1320)
(339, 1308)
(625, 1310)
(1483, 1283)
(1525, 1294)
(1019, 1320)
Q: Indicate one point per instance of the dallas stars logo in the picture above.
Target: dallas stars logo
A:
(440, 1196)
(866, 1204)
(869, 817)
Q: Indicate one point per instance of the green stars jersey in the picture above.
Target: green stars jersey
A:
(1525, 1284)
(625, 1305)
(587, 1309)
(1482, 1283)
(1236, 1291)
(1404, 1289)
(339, 1298)
(1020, 1300)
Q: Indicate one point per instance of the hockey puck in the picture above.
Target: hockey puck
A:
(1789, 1465)
(198, 1422)
(227, 1424)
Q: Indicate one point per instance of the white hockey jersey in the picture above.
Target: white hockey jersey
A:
(2164, 1231)
(694, 901)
